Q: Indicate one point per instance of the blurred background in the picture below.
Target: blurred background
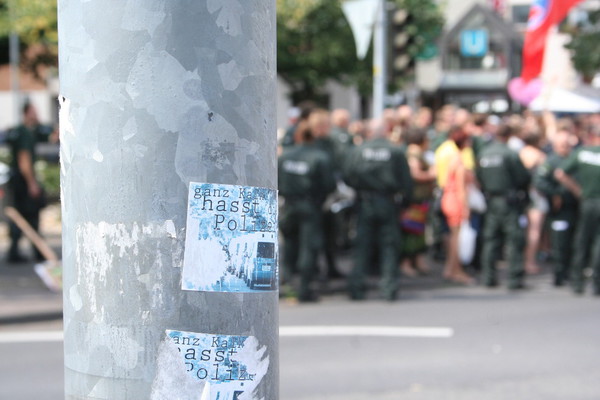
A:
(462, 342)
(430, 61)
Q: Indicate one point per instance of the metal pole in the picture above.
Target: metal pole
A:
(156, 94)
(379, 60)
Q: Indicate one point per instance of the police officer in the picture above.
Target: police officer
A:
(562, 216)
(343, 201)
(27, 193)
(584, 164)
(378, 170)
(342, 139)
(304, 109)
(319, 123)
(504, 181)
(305, 180)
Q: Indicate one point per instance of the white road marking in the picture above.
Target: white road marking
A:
(31, 337)
(380, 331)
(284, 331)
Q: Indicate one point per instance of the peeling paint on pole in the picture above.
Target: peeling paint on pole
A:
(156, 95)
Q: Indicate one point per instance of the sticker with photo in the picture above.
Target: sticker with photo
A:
(231, 239)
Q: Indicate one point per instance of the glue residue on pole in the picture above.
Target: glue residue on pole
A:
(231, 239)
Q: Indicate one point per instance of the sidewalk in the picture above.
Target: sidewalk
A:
(25, 298)
(23, 295)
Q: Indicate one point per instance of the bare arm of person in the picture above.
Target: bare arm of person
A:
(461, 184)
(568, 182)
(418, 174)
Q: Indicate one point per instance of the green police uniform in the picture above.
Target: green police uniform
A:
(25, 139)
(342, 142)
(504, 180)
(288, 138)
(343, 218)
(562, 217)
(305, 179)
(326, 145)
(329, 223)
(584, 164)
(378, 170)
(478, 143)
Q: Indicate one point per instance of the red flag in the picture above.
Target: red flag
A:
(543, 15)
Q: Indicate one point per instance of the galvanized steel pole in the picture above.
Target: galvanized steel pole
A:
(155, 95)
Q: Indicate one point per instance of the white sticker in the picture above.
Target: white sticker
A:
(209, 367)
(231, 239)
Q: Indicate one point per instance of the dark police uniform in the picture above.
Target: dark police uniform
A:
(329, 223)
(379, 172)
(562, 216)
(288, 138)
(342, 142)
(584, 164)
(504, 181)
(25, 139)
(342, 219)
(305, 179)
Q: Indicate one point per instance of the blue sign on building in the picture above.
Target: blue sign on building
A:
(474, 43)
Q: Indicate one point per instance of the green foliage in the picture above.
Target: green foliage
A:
(584, 46)
(49, 176)
(314, 44)
(292, 12)
(35, 22)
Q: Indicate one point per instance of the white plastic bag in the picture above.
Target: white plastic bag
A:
(476, 199)
(467, 237)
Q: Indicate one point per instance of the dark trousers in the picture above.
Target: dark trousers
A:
(439, 226)
(562, 230)
(329, 235)
(28, 207)
(377, 230)
(587, 245)
(503, 224)
(302, 230)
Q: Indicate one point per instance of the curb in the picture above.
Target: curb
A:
(31, 318)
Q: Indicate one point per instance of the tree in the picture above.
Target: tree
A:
(315, 43)
(584, 46)
(34, 21)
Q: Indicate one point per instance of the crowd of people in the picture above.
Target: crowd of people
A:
(470, 188)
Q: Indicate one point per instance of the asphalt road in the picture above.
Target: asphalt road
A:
(447, 343)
